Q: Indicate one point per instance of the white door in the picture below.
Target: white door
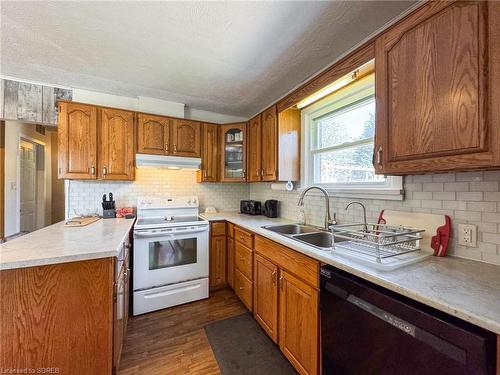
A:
(28, 186)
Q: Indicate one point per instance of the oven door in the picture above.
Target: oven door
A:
(169, 255)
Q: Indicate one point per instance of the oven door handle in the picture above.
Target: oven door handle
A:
(151, 234)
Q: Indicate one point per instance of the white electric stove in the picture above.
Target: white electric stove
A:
(170, 260)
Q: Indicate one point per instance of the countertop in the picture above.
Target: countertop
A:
(59, 244)
(466, 289)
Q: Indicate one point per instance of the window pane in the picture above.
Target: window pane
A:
(346, 125)
(350, 165)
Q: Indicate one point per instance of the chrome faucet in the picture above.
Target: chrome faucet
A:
(365, 224)
(328, 218)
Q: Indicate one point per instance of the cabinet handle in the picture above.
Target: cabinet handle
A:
(241, 288)
(175, 148)
(281, 282)
(166, 148)
(274, 277)
(104, 171)
(92, 170)
(379, 155)
(206, 174)
(258, 172)
(262, 172)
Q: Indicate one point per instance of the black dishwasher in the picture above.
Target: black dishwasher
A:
(366, 329)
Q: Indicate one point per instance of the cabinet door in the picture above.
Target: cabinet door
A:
(254, 149)
(210, 153)
(230, 262)
(77, 138)
(233, 143)
(186, 137)
(126, 304)
(218, 259)
(269, 144)
(119, 319)
(265, 308)
(116, 140)
(153, 134)
(298, 323)
(433, 115)
(243, 289)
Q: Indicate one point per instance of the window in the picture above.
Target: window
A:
(339, 140)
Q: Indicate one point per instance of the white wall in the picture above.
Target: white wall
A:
(141, 103)
(198, 114)
(13, 131)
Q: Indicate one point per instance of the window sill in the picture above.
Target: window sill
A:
(393, 194)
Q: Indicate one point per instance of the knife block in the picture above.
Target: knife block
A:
(109, 214)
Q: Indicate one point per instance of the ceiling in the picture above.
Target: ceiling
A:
(227, 57)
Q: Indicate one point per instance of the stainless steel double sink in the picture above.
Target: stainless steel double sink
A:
(306, 234)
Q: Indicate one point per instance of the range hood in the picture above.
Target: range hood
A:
(162, 161)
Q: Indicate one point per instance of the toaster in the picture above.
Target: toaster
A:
(250, 207)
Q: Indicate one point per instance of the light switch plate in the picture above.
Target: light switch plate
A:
(467, 235)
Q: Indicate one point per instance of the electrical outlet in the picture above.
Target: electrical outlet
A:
(467, 235)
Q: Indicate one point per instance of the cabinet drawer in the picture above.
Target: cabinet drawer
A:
(301, 265)
(243, 289)
(243, 260)
(219, 228)
(243, 237)
(230, 230)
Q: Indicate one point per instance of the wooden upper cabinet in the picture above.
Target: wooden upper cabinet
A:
(186, 138)
(116, 144)
(289, 145)
(153, 134)
(209, 153)
(269, 144)
(233, 148)
(254, 149)
(77, 138)
(298, 323)
(436, 106)
(265, 308)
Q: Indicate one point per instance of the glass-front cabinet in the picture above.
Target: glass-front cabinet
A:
(233, 157)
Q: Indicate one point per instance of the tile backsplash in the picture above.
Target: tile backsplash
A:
(84, 195)
(471, 197)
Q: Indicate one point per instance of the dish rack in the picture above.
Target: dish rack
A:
(377, 240)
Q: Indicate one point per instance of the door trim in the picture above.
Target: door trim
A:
(2, 181)
(23, 137)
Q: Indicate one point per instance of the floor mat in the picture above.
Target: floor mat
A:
(242, 347)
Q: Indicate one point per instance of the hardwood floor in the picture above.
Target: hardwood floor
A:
(173, 341)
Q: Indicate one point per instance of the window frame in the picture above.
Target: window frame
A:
(356, 93)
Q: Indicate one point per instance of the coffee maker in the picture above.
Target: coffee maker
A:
(270, 208)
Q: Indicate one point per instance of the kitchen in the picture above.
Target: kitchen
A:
(332, 208)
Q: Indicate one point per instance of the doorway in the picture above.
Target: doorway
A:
(34, 196)
(32, 185)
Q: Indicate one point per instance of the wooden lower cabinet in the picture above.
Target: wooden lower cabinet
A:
(59, 316)
(121, 309)
(266, 296)
(218, 259)
(243, 287)
(230, 262)
(298, 323)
